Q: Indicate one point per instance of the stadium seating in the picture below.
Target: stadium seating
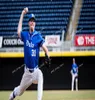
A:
(52, 16)
(86, 23)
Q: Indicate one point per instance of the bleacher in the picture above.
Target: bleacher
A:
(52, 16)
(86, 23)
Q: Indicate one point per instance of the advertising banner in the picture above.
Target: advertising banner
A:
(10, 42)
(52, 40)
(84, 40)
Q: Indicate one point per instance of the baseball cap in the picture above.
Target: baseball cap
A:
(32, 16)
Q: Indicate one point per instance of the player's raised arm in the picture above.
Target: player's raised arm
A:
(19, 29)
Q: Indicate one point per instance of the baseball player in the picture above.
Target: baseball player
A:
(32, 43)
(74, 73)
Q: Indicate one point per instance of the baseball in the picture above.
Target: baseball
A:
(26, 9)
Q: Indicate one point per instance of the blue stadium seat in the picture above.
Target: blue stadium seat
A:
(87, 18)
(51, 16)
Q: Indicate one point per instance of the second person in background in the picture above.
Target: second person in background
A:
(74, 73)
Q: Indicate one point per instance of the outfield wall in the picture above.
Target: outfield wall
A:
(60, 79)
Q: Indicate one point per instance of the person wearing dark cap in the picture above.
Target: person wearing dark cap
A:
(32, 42)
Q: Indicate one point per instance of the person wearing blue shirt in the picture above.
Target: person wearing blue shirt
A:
(32, 40)
(74, 73)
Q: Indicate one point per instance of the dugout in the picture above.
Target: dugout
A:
(58, 80)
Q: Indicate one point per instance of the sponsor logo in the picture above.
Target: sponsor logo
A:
(12, 42)
(85, 40)
(80, 40)
(52, 40)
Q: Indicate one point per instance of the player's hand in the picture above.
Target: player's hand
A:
(71, 72)
(25, 10)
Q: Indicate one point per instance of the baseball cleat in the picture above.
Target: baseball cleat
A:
(12, 96)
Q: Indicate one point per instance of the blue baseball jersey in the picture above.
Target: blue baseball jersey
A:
(74, 68)
(32, 43)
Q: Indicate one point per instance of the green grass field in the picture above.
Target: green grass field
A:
(53, 95)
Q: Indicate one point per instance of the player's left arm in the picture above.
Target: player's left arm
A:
(45, 50)
(47, 57)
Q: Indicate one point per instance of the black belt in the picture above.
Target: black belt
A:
(31, 70)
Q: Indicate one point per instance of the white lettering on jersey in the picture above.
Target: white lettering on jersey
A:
(29, 44)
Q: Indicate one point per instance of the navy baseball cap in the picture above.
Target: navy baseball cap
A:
(32, 16)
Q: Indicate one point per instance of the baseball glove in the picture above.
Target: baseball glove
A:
(47, 61)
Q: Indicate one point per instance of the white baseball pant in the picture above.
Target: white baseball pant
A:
(74, 80)
(28, 78)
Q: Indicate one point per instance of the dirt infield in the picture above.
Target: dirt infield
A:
(53, 95)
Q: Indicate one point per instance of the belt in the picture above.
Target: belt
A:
(32, 70)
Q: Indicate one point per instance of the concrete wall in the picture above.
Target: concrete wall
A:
(60, 79)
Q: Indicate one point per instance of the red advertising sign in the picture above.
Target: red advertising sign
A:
(84, 40)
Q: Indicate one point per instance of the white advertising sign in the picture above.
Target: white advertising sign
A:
(52, 40)
(1, 39)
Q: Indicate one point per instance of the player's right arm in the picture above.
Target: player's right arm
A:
(71, 71)
(19, 29)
